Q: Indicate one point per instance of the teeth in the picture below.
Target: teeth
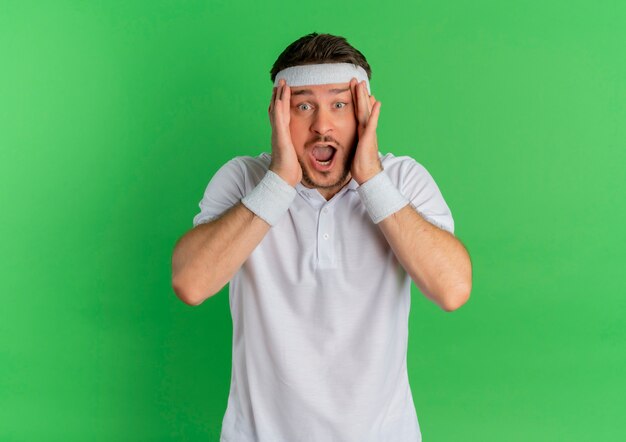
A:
(324, 163)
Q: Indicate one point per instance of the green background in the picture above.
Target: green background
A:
(114, 116)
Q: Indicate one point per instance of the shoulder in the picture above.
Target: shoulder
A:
(410, 176)
(399, 168)
(250, 164)
(231, 182)
(260, 162)
(417, 184)
(248, 170)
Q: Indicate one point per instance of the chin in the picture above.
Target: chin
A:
(326, 175)
(324, 180)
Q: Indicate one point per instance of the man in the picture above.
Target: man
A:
(320, 241)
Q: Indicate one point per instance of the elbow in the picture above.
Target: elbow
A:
(191, 287)
(188, 294)
(456, 299)
(457, 295)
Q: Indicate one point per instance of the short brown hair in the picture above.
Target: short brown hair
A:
(317, 48)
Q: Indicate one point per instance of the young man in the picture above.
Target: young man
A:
(320, 241)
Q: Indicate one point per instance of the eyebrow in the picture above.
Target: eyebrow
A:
(310, 92)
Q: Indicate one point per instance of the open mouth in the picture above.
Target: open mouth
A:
(323, 155)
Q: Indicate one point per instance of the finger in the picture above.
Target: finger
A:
(278, 103)
(359, 105)
(282, 88)
(271, 107)
(283, 109)
(277, 95)
(287, 106)
(372, 122)
(353, 84)
(354, 90)
(367, 96)
(285, 102)
(286, 97)
(363, 107)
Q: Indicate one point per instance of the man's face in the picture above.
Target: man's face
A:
(323, 126)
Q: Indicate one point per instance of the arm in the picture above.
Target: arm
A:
(435, 259)
(208, 256)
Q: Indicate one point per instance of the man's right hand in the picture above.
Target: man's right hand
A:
(284, 159)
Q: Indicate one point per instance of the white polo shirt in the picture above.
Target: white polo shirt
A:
(320, 314)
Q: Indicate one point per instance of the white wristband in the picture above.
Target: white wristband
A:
(271, 198)
(380, 197)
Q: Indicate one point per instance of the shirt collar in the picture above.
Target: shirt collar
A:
(352, 185)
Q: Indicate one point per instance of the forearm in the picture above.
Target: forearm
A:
(434, 259)
(209, 255)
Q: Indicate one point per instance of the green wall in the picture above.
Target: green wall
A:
(114, 115)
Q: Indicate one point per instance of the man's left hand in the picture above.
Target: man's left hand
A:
(366, 163)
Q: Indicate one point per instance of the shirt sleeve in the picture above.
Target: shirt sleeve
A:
(225, 189)
(424, 195)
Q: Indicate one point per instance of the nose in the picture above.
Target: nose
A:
(322, 121)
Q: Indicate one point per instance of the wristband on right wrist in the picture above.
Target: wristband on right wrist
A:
(271, 198)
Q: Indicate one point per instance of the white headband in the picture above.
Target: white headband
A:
(325, 73)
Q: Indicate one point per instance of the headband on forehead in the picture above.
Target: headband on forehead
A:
(325, 73)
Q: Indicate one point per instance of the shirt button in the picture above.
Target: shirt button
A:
(325, 235)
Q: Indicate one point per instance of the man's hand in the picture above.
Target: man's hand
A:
(284, 159)
(366, 163)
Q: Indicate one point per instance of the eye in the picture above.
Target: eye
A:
(301, 105)
(342, 103)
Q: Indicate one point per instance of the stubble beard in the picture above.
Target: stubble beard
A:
(340, 182)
